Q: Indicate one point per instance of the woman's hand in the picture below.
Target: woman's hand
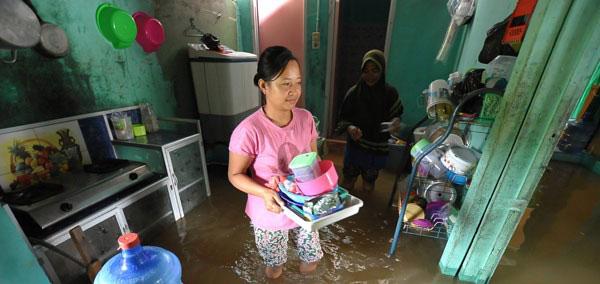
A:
(272, 201)
(355, 132)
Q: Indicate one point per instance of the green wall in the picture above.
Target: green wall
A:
(93, 76)
(245, 30)
(315, 60)
(17, 264)
(173, 54)
(418, 30)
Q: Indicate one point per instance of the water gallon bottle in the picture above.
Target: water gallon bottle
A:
(140, 264)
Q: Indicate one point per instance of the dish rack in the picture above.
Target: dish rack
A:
(439, 231)
(428, 188)
(412, 179)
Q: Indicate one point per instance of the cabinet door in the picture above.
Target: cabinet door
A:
(192, 195)
(187, 169)
(103, 242)
(143, 213)
(187, 164)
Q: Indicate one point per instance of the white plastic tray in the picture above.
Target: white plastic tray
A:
(352, 206)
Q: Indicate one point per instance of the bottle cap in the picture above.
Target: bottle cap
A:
(128, 241)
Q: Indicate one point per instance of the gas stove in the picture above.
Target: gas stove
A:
(74, 192)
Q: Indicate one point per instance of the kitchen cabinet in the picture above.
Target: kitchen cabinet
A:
(137, 212)
(177, 151)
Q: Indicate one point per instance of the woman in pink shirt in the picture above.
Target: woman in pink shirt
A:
(265, 143)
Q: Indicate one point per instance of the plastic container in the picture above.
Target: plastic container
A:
(122, 125)
(149, 118)
(325, 182)
(139, 130)
(460, 160)
(305, 167)
(438, 100)
(418, 147)
(430, 164)
(434, 132)
(439, 191)
(140, 264)
(151, 33)
(351, 207)
(116, 25)
(456, 179)
(413, 212)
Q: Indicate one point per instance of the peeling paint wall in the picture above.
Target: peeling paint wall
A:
(245, 26)
(418, 31)
(217, 17)
(316, 59)
(93, 76)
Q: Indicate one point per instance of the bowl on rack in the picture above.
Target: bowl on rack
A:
(436, 191)
(460, 160)
(456, 179)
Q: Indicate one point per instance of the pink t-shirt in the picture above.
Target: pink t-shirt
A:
(272, 148)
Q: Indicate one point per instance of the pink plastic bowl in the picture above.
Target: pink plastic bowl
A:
(326, 182)
(151, 33)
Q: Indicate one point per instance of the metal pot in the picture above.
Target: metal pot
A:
(20, 26)
(53, 39)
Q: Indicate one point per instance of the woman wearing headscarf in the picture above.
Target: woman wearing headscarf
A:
(366, 105)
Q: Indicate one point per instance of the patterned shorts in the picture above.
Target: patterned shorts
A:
(272, 245)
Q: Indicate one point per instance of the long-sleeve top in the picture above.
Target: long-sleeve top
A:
(366, 108)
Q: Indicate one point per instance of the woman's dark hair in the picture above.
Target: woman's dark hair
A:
(271, 63)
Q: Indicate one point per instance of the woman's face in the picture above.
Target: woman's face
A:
(371, 73)
(283, 93)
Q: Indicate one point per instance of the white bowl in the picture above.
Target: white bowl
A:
(460, 160)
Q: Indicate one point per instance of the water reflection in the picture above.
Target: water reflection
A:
(344, 253)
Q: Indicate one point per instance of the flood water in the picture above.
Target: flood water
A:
(215, 242)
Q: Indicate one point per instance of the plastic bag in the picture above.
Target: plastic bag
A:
(493, 45)
(461, 10)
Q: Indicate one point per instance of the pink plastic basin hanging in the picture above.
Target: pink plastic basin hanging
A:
(151, 33)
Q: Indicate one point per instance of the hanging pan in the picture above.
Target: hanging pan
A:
(53, 39)
(20, 27)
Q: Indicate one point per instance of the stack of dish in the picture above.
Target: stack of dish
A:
(459, 161)
(316, 197)
(430, 164)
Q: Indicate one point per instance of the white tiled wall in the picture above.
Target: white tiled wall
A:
(27, 138)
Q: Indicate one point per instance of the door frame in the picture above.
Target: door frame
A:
(334, 8)
(555, 62)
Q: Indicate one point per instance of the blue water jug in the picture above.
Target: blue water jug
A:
(140, 264)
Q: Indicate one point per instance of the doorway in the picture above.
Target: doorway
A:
(281, 23)
(359, 26)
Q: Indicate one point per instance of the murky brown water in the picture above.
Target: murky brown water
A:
(215, 242)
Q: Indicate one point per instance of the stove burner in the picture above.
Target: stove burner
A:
(32, 193)
(105, 166)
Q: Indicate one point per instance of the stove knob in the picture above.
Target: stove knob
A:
(66, 207)
(133, 176)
